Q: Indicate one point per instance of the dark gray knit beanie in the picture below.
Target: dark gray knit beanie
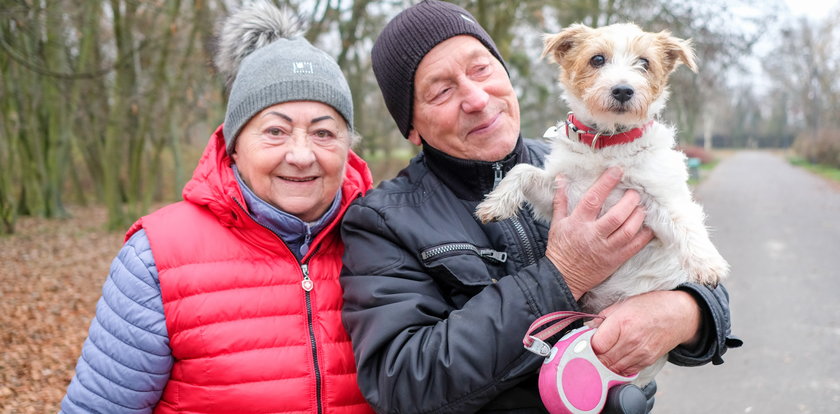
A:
(267, 61)
(405, 41)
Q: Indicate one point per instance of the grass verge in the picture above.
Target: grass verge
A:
(831, 173)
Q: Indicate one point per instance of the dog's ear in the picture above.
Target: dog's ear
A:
(556, 46)
(676, 51)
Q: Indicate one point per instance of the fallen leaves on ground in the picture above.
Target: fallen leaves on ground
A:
(51, 275)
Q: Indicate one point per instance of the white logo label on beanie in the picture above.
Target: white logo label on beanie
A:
(302, 67)
(467, 19)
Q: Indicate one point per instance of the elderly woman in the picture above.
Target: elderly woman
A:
(229, 301)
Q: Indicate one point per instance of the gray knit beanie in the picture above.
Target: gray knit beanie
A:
(405, 41)
(267, 61)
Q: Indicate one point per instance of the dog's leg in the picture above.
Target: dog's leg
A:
(682, 223)
(539, 191)
(523, 183)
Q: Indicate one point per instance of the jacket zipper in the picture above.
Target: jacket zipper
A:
(530, 258)
(526, 241)
(489, 254)
(307, 284)
(498, 174)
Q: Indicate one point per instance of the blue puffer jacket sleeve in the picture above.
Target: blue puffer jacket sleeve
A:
(126, 359)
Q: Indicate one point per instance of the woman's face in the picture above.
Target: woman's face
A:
(293, 155)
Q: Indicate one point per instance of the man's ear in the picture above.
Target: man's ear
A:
(414, 137)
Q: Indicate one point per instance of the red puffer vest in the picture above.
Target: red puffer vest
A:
(245, 335)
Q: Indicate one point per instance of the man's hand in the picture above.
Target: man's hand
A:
(587, 249)
(638, 331)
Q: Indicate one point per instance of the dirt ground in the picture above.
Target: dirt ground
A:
(51, 275)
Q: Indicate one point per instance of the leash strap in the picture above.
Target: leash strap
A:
(535, 342)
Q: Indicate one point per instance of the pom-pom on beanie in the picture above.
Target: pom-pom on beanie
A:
(266, 60)
(405, 41)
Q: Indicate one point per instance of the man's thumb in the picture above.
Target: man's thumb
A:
(605, 338)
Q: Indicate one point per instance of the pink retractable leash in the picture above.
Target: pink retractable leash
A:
(572, 379)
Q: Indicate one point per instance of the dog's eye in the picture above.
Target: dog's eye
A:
(645, 63)
(597, 61)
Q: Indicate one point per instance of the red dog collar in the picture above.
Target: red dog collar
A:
(596, 140)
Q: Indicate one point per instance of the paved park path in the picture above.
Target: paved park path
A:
(779, 227)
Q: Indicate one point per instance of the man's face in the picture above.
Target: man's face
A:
(464, 103)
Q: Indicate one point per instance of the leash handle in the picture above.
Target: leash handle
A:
(535, 342)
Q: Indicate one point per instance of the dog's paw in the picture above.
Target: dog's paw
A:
(708, 271)
(489, 210)
(495, 209)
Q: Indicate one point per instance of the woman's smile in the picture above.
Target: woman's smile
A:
(298, 179)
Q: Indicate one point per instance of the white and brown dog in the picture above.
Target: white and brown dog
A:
(615, 82)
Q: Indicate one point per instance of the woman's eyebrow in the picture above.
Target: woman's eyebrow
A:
(279, 114)
(321, 118)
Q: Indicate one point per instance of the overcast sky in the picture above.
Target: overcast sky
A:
(811, 8)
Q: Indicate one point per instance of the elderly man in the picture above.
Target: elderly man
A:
(435, 302)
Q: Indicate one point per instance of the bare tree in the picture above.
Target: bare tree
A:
(805, 78)
(93, 99)
(111, 101)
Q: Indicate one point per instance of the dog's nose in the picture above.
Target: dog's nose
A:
(622, 93)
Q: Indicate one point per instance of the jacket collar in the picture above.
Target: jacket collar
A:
(470, 179)
(295, 232)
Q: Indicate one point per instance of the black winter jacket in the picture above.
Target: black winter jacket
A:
(437, 303)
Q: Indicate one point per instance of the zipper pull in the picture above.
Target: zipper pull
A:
(304, 248)
(306, 283)
(497, 174)
(500, 257)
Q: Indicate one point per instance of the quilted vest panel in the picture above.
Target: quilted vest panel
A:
(245, 335)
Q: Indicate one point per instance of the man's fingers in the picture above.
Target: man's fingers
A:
(618, 216)
(642, 238)
(629, 229)
(592, 201)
